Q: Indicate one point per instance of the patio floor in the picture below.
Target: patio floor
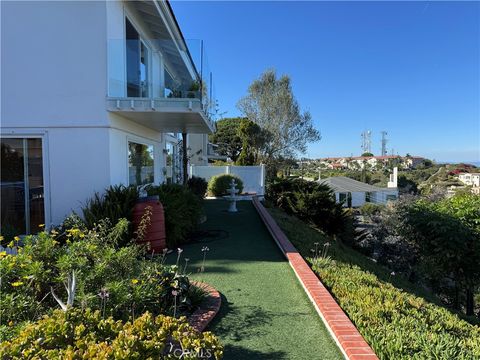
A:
(265, 312)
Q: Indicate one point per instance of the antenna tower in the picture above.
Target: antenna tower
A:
(384, 143)
(367, 141)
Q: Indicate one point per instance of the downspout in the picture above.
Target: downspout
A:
(184, 158)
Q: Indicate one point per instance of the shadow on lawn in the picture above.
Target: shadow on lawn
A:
(239, 352)
(235, 324)
(240, 322)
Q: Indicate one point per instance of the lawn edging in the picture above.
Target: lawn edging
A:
(208, 309)
(351, 343)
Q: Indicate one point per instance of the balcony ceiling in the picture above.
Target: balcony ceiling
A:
(163, 39)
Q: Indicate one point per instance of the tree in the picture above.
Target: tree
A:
(447, 236)
(253, 139)
(369, 154)
(227, 138)
(270, 103)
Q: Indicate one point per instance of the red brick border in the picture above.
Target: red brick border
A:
(208, 309)
(345, 334)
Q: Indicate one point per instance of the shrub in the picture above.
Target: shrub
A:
(116, 203)
(219, 184)
(183, 210)
(369, 209)
(309, 201)
(198, 186)
(117, 281)
(77, 334)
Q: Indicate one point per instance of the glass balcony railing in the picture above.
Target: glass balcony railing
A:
(161, 69)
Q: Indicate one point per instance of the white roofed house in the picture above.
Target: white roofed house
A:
(86, 87)
(353, 193)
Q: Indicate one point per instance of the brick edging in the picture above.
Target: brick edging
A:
(208, 309)
(351, 343)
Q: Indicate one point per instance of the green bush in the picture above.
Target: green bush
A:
(77, 334)
(219, 184)
(382, 305)
(116, 203)
(309, 201)
(198, 186)
(117, 281)
(183, 210)
(371, 209)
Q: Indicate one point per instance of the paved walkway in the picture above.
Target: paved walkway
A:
(265, 312)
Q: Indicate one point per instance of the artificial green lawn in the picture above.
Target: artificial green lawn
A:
(265, 312)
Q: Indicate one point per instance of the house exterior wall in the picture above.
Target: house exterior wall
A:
(53, 64)
(359, 198)
(198, 143)
(56, 74)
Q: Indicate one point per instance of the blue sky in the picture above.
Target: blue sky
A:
(409, 68)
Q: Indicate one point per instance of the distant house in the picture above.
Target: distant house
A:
(353, 193)
(360, 162)
(470, 179)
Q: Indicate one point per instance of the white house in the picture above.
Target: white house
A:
(353, 193)
(94, 93)
(470, 179)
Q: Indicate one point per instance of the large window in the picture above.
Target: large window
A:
(22, 204)
(140, 164)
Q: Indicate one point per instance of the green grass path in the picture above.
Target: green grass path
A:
(265, 312)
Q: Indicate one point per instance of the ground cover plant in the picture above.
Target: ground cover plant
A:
(398, 319)
(86, 334)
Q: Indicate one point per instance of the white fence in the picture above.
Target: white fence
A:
(253, 177)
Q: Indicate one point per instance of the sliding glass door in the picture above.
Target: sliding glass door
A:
(22, 186)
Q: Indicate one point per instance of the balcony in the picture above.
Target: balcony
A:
(157, 85)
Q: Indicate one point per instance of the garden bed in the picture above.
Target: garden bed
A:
(207, 310)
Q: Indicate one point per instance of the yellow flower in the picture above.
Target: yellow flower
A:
(41, 225)
(17, 283)
(134, 281)
(10, 323)
(11, 244)
(3, 253)
(16, 238)
(1, 238)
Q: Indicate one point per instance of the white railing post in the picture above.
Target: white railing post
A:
(227, 170)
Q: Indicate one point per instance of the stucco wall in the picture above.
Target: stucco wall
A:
(53, 63)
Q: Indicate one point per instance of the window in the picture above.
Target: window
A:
(22, 205)
(391, 197)
(140, 164)
(368, 197)
(345, 198)
(138, 57)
